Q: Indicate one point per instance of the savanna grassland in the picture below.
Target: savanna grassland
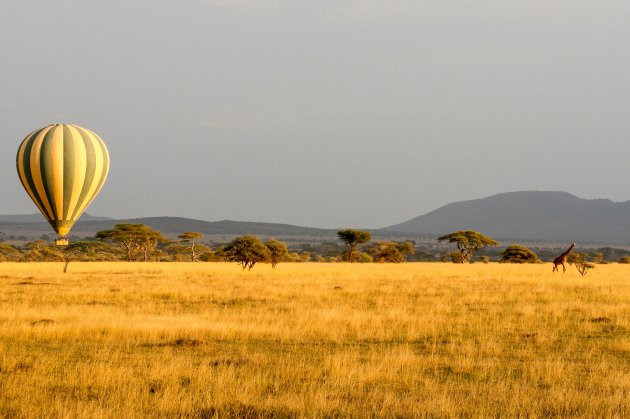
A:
(313, 340)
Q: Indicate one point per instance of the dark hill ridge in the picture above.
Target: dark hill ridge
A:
(533, 216)
(530, 215)
(38, 218)
(34, 225)
(172, 225)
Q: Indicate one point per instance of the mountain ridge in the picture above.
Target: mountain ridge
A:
(534, 216)
(38, 218)
(170, 226)
(528, 215)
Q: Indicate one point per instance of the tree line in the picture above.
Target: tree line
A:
(468, 242)
(138, 242)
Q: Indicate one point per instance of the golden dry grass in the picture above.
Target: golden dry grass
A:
(313, 340)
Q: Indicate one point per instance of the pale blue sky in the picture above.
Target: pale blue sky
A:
(322, 113)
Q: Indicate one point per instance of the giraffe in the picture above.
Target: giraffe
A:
(560, 260)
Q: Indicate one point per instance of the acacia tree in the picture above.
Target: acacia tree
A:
(132, 239)
(468, 242)
(190, 237)
(278, 251)
(579, 260)
(148, 241)
(353, 238)
(518, 254)
(246, 250)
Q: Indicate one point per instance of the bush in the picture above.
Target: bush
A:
(518, 254)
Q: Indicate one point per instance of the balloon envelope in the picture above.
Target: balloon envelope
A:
(62, 167)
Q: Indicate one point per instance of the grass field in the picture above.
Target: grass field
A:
(313, 340)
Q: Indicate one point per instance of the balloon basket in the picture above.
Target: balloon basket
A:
(61, 241)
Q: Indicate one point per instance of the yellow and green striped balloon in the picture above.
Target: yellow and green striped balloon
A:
(62, 167)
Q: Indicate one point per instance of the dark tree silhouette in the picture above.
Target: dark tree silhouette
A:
(468, 242)
(278, 251)
(247, 251)
(133, 239)
(353, 238)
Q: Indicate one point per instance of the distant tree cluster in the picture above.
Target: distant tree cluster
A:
(138, 242)
(390, 252)
(133, 239)
(469, 242)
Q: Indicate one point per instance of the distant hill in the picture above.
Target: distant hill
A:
(32, 226)
(177, 225)
(530, 215)
(533, 216)
(38, 218)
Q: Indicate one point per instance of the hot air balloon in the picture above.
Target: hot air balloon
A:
(62, 167)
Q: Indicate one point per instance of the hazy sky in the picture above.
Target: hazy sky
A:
(322, 112)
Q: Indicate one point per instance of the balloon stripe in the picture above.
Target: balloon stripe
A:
(35, 171)
(105, 163)
(80, 161)
(90, 154)
(46, 170)
(68, 169)
(92, 182)
(97, 189)
(57, 169)
(27, 178)
(105, 171)
(23, 166)
(19, 161)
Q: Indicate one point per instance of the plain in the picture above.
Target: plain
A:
(313, 340)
